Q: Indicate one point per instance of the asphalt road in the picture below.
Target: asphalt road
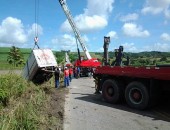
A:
(86, 111)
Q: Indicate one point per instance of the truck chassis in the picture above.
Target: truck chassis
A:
(141, 87)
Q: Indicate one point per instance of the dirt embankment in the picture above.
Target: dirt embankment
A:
(55, 109)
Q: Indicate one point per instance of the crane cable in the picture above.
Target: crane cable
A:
(36, 23)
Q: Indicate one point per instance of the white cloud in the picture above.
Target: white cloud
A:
(130, 47)
(163, 47)
(129, 17)
(167, 13)
(13, 32)
(96, 7)
(165, 37)
(156, 7)
(100, 49)
(66, 42)
(112, 35)
(94, 17)
(132, 30)
(85, 23)
(35, 29)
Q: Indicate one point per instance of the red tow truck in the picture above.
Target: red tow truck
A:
(141, 87)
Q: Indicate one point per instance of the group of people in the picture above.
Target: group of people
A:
(68, 74)
(76, 72)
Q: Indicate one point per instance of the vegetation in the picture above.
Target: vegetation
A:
(15, 57)
(136, 59)
(4, 53)
(24, 106)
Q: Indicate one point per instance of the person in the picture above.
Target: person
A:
(78, 72)
(57, 77)
(70, 73)
(75, 73)
(66, 77)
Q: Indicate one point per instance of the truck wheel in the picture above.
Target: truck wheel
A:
(136, 95)
(111, 91)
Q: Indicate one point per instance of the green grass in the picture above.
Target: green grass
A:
(22, 104)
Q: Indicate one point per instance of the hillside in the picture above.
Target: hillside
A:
(137, 59)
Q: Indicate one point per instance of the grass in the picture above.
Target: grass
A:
(23, 105)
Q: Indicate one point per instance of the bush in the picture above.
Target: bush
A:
(11, 86)
(4, 97)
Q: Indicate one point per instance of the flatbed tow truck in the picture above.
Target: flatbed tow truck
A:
(141, 87)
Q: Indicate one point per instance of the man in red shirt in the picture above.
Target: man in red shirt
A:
(70, 73)
(66, 77)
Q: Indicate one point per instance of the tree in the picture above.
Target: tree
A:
(163, 58)
(60, 56)
(73, 57)
(15, 56)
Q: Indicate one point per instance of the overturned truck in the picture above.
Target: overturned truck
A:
(39, 66)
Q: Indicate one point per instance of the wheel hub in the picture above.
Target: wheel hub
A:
(136, 96)
(110, 91)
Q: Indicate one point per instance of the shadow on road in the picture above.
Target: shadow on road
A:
(160, 112)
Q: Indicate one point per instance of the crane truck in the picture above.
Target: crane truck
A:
(82, 63)
(141, 87)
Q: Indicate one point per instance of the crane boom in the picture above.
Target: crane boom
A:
(73, 25)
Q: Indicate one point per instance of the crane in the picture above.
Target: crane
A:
(83, 64)
(73, 25)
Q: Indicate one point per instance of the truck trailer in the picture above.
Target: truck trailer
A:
(39, 66)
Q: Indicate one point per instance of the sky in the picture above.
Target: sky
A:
(138, 25)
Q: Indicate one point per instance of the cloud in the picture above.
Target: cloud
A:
(95, 16)
(100, 49)
(96, 7)
(167, 13)
(35, 29)
(130, 47)
(165, 37)
(13, 32)
(112, 35)
(85, 23)
(132, 30)
(163, 47)
(66, 42)
(156, 7)
(129, 17)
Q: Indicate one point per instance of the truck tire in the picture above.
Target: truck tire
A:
(136, 95)
(111, 91)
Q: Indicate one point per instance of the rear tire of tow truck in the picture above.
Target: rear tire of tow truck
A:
(136, 95)
(111, 91)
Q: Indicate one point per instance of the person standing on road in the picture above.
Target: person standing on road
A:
(66, 77)
(78, 72)
(57, 77)
(70, 73)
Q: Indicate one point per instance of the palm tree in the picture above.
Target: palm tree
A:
(15, 56)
